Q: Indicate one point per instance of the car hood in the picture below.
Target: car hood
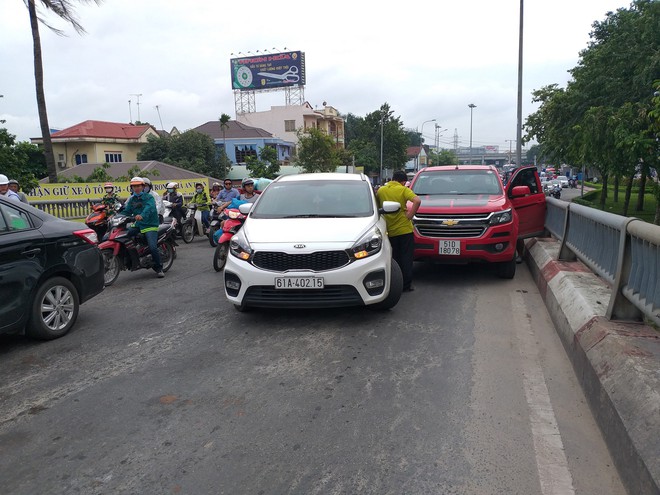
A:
(306, 230)
(468, 202)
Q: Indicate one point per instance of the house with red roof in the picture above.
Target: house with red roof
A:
(95, 141)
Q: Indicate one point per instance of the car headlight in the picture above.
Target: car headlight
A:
(240, 247)
(370, 244)
(501, 217)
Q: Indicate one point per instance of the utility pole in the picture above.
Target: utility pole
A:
(456, 145)
(138, 104)
(520, 71)
(130, 113)
(161, 120)
(471, 106)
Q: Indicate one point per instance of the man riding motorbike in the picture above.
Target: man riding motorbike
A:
(176, 200)
(202, 201)
(142, 206)
(160, 207)
(110, 200)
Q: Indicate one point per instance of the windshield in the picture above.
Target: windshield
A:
(315, 199)
(453, 182)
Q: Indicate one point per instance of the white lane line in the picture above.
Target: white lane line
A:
(552, 465)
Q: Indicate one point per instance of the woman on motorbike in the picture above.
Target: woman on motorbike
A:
(110, 199)
(202, 201)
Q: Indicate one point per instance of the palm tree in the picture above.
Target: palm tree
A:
(224, 125)
(64, 10)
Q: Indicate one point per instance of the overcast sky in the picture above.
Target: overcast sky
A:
(427, 60)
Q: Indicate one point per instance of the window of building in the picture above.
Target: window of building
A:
(60, 157)
(243, 151)
(289, 126)
(81, 158)
(113, 157)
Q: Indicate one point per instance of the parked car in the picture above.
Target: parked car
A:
(563, 180)
(48, 268)
(314, 240)
(468, 216)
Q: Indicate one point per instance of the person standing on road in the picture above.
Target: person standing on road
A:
(399, 224)
(142, 206)
(14, 186)
(5, 192)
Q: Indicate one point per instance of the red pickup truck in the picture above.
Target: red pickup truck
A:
(468, 216)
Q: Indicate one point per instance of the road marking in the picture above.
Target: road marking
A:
(552, 465)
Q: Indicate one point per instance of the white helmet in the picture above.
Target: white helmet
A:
(4, 180)
(146, 180)
(135, 181)
(171, 185)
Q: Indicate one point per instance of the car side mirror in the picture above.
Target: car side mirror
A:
(245, 208)
(389, 207)
(519, 191)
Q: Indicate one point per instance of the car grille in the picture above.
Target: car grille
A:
(317, 262)
(464, 225)
(331, 296)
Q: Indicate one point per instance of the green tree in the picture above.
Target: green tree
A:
(317, 151)
(64, 10)
(266, 165)
(21, 161)
(444, 157)
(224, 125)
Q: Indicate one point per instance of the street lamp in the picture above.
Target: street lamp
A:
(471, 106)
(510, 141)
(421, 137)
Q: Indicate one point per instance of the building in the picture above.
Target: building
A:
(95, 141)
(285, 121)
(418, 158)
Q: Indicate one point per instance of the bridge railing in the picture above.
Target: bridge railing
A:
(625, 252)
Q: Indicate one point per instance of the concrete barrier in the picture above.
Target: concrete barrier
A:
(617, 363)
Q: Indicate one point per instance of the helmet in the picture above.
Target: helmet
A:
(108, 184)
(13, 181)
(137, 181)
(215, 184)
(146, 181)
(3, 180)
(247, 182)
(172, 185)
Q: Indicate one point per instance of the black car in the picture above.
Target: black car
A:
(48, 268)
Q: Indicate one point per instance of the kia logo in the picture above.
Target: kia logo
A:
(299, 246)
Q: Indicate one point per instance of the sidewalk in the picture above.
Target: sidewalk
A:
(616, 363)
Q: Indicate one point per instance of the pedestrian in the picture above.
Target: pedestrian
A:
(14, 186)
(5, 192)
(399, 224)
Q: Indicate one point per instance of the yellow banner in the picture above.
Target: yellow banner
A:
(94, 190)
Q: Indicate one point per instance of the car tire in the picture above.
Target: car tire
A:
(220, 256)
(111, 267)
(187, 233)
(507, 269)
(396, 288)
(54, 309)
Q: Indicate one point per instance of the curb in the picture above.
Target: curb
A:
(617, 363)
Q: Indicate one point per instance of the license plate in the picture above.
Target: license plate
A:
(299, 283)
(450, 248)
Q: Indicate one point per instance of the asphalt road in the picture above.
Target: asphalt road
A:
(162, 387)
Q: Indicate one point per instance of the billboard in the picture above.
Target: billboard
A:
(268, 71)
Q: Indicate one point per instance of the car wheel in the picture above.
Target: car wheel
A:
(187, 233)
(396, 288)
(220, 256)
(111, 267)
(507, 269)
(54, 309)
(167, 255)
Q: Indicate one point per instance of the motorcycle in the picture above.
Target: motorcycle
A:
(191, 224)
(231, 226)
(121, 252)
(214, 221)
(555, 192)
(97, 220)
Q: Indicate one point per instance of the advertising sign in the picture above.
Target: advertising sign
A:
(268, 71)
(95, 191)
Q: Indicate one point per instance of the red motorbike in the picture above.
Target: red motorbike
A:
(233, 223)
(121, 252)
(97, 220)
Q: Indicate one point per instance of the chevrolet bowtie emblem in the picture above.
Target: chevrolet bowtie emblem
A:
(449, 223)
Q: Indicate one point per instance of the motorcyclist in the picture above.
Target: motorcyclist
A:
(226, 195)
(15, 186)
(215, 190)
(202, 201)
(142, 206)
(160, 207)
(5, 192)
(248, 187)
(110, 200)
(176, 201)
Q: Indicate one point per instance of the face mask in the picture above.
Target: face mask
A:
(200, 190)
(170, 190)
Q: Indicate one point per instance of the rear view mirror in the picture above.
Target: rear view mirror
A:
(245, 208)
(519, 191)
(390, 207)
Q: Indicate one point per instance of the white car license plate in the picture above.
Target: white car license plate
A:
(450, 248)
(299, 283)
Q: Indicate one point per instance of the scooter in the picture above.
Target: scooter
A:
(555, 192)
(233, 223)
(97, 220)
(191, 224)
(121, 252)
(214, 225)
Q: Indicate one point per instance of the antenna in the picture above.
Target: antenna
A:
(138, 103)
(130, 114)
(161, 120)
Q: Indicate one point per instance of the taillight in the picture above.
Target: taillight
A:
(88, 235)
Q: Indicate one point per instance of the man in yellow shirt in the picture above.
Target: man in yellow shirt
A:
(399, 224)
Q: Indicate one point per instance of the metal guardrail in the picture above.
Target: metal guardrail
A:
(68, 209)
(625, 252)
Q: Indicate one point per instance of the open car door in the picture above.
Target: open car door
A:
(530, 207)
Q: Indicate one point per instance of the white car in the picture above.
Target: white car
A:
(563, 180)
(314, 241)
